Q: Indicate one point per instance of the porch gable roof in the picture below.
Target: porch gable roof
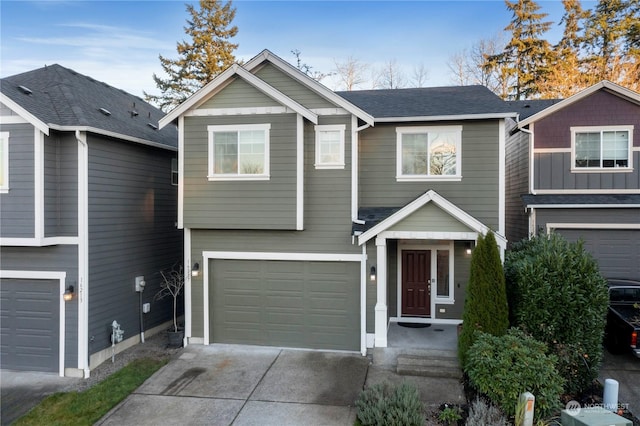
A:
(430, 196)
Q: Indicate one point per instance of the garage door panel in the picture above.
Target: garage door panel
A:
(617, 251)
(293, 303)
(30, 324)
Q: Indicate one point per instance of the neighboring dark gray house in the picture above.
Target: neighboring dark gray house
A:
(88, 202)
(314, 219)
(573, 167)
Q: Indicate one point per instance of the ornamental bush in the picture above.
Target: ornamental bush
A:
(557, 295)
(485, 307)
(503, 367)
(386, 405)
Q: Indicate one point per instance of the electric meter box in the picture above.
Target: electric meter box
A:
(593, 417)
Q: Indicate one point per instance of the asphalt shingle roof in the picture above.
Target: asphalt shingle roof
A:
(428, 101)
(568, 199)
(63, 97)
(526, 109)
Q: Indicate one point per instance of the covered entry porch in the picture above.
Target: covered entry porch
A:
(419, 257)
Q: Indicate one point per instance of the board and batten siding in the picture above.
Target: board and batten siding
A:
(516, 184)
(60, 185)
(476, 193)
(132, 232)
(60, 258)
(292, 88)
(552, 171)
(17, 208)
(241, 204)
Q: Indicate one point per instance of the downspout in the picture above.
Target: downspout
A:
(355, 142)
(83, 253)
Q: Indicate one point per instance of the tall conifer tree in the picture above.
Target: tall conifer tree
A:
(208, 53)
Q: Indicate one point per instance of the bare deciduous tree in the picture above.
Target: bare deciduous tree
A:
(351, 73)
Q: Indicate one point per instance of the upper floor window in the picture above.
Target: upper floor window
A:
(602, 147)
(4, 162)
(239, 152)
(429, 153)
(330, 146)
(174, 171)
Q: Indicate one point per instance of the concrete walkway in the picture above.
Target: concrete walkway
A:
(241, 385)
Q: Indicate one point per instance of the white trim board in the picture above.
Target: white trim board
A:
(61, 277)
(591, 226)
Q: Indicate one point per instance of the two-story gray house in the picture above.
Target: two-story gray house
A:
(88, 201)
(574, 168)
(313, 219)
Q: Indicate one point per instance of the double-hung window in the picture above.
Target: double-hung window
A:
(330, 146)
(239, 152)
(4, 162)
(601, 148)
(429, 153)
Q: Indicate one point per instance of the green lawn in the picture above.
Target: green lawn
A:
(86, 408)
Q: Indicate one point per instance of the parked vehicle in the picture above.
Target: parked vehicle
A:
(623, 317)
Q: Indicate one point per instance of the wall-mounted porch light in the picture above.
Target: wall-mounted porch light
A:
(195, 271)
(373, 273)
(68, 293)
(469, 247)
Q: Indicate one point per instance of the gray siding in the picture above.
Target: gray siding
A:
(477, 193)
(55, 258)
(17, 206)
(239, 94)
(241, 204)
(553, 171)
(61, 185)
(290, 87)
(517, 184)
(132, 232)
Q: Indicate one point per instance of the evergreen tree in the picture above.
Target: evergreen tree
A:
(485, 307)
(208, 53)
(527, 58)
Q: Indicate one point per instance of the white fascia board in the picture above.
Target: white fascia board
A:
(97, 131)
(445, 117)
(312, 84)
(312, 257)
(24, 114)
(444, 204)
(583, 206)
(612, 87)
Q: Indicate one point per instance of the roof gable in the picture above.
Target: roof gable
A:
(60, 98)
(429, 197)
(608, 86)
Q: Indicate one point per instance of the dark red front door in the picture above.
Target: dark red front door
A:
(416, 283)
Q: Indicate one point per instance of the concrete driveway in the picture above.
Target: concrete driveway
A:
(225, 384)
(625, 368)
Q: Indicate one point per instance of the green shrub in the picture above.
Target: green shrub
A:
(502, 367)
(450, 415)
(485, 307)
(386, 405)
(557, 295)
(482, 413)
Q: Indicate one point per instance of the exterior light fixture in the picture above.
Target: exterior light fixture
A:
(68, 293)
(468, 247)
(195, 271)
(373, 273)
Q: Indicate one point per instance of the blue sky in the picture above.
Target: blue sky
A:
(118, 42)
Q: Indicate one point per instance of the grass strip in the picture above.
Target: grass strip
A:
(87, 407)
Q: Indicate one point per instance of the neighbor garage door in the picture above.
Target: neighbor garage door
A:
(300, 304)
(617, 251)
(30, 321)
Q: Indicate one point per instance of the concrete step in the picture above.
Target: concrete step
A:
(430, 365)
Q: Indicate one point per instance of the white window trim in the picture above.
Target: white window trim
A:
(592, 129)
(4, 140)
(330, 128)
(238, 127)
(175, 171)
(428, 129)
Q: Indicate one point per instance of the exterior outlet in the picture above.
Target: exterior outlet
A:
(140, 283)
(146, 308)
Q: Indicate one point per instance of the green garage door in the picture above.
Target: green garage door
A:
(299, 304)
(30, 320)
(617, 251)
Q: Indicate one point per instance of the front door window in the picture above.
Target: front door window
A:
(442, 274)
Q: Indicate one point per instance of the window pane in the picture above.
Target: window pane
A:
(329, 146)
(442, 278)
(615, 149)
(414, 154)
(252, 144)
(442, 154)
(225, 152)
(588, 149)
